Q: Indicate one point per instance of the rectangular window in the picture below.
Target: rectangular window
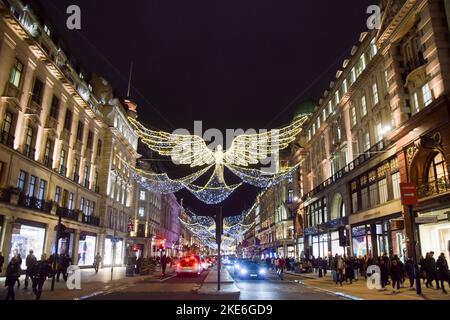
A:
(382, 187)
(330, 108)
(87, 173)
(337, 98)
(355, 202)
(373, 48)
(365, 198)
(7, 125)
(54, 108)
(363, 106)
(379, 132)
(141, 212)
(68, 120)
(15, 77)
(367, 141)
(309, 135)
(37, 91)
(76, 170)
(71, 201)
(324, 115)
(99, 148)
(80, 131)
(82, 205)
(344, 87)
(62, 162)
(92, 208)
(427, 95)
(354, 119)
(415, 102)
(142, 195)
(396, 185)
(58, 194)
(373, 195)
(32, 186)
(90, 141)
(352, 76)
(65, 199)
(375, 96)
(318, 123)
(42, 189)
(21, 181)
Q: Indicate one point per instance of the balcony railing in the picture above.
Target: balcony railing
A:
(91, 220)
(35, 204)
(7, 139)
(360, 160)
(33, 108)
(434, 188)
(48, 162)
(11, 91)
(29, 152)
(5, 195)
(73, 215)
(62, 170)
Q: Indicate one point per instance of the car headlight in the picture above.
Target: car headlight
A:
(262, 271)
(243, 271)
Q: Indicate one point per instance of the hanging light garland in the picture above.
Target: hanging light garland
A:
(259, 178)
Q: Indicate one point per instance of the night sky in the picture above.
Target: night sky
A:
(232, 64)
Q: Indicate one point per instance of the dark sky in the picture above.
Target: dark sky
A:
(232, 64)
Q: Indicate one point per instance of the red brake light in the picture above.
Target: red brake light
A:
(178, 264)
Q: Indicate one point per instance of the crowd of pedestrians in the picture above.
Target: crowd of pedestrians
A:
(393, 271)
(38, 271)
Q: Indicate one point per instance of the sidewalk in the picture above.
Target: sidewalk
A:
(359, 291)
(92, 284)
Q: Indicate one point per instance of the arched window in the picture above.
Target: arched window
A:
(338, 207)
(437, 169)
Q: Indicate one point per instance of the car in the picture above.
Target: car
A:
(251, 270)
(189, 266)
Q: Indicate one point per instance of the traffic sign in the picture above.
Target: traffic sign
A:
(409, 194)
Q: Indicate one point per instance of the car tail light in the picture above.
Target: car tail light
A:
(178, 264)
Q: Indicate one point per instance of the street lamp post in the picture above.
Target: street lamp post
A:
(58, 235)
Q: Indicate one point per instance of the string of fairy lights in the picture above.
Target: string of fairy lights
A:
(204, 228)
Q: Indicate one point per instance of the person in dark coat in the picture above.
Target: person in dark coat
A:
(431, 271)
(2, 262)
(350, 269)
(396, 274)
(97, 261)
(41, 271)
(442, 271)
(409, 269)
(12, 274)
(63, 264)
(30, 261)
(384, 273)
(19, 264)
(422, 269)
(163, 265)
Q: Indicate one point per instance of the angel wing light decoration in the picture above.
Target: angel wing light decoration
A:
(245, 150)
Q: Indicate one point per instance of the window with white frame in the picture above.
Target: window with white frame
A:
(344, 87)
(141, 212)
(354, 119)
(375, 96)
(396, 185)
(353, 76)
(427, 95)
(142, 195)
(363, 106)
(383, 190)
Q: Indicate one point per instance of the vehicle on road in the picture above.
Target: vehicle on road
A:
(190, 266)
(251, 270)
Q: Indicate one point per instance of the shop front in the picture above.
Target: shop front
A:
(378, 237)
(87, 249)
(66, 241)
(113, 251)
(26, 236)
(434, 232)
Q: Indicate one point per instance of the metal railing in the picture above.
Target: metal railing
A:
(35, 204)
(439, 186)
(360, 160)
(90, 220)
(73, 215)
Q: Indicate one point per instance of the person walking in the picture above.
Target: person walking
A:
(97, 261)
(325, 266)
(281, 265)
(384, 273)
(340, 269)
(164, 265)
(409, 270)
(64, 263)
(41, 271)
(30, 261)
(350, 269)
(19, 264)
(396, 275)
(12, 274)
(334, 269)
(431, 271)
(2, 262)
(442, 271)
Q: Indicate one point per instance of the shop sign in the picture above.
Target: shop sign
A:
(425, 220)
(409, 194)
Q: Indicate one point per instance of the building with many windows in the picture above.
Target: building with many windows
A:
(63, 138)
(384, 120)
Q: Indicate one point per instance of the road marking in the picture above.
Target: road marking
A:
(165, 279)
